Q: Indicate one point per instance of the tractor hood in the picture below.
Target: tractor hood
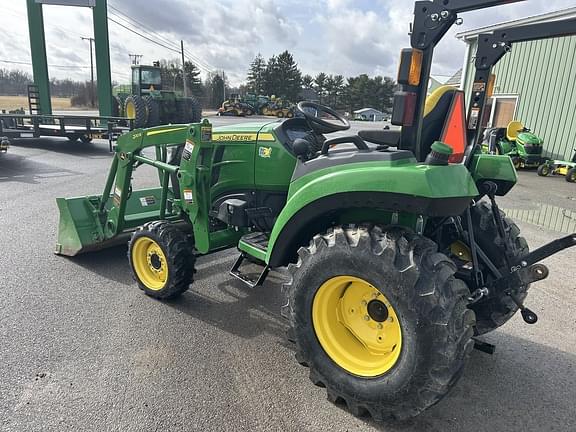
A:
(529, 138)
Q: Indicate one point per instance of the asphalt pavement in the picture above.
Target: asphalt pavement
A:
(82, 349)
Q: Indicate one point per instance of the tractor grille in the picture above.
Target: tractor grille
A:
(533, 149)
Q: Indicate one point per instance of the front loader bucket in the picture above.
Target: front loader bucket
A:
(83, 228)
(80, 229)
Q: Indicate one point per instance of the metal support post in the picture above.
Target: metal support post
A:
(38, 53)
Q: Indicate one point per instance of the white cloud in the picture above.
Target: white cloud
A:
(336, 36)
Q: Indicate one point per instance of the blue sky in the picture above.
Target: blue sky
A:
(335, 36)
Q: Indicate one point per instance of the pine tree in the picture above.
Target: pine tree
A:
(194, 84)
(307, 81)
(256, 75)
(272, 77)
(290, 77)
(320, 83)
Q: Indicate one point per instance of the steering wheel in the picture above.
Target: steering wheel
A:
(318, 124)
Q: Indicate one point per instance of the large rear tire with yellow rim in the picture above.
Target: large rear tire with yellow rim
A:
(161, 259)
(135, 109)
(379, 319)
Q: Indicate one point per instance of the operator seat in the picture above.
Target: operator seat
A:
(435, 113)
(514, 127)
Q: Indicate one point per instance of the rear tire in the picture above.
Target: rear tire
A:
(117, 107)
(161, 259)
(280, 114)
(571, 175)
(494, 312)
(429, 303)
(189, 110)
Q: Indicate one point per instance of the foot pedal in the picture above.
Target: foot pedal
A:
(235, 271)
(485, 347)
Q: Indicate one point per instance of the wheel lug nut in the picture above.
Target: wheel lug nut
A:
(366, 318)
(379, 326)
(364, 303)
(390, 319)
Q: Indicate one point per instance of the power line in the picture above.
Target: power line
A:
(61, 66)
(141, 35)
(131, 20)
(152, 33)
(55, 66)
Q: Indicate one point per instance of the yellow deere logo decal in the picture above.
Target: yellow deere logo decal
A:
(265, 152)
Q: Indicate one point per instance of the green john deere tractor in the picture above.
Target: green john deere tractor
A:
(560, 167)
(149, 104)
(397, 252)
(236, 106)
(522, 145)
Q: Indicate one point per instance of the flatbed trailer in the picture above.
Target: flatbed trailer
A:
(73, 127)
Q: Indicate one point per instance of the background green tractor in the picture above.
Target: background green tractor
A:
(236, 106)
(149, 104)
(516, 141)
(559, 167)
(396, 251)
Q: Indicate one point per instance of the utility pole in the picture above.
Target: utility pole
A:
(223, 85)
(184, 81)
(91, 40)
(135, 58)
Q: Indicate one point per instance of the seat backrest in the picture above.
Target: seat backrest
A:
(514, 127)
(435, 114)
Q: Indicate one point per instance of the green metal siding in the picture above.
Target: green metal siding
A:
(543, 74)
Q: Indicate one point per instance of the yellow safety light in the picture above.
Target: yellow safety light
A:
(410, 68)
(415, 68)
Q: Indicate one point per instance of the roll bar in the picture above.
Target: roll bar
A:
(432, 19)
(491, 48)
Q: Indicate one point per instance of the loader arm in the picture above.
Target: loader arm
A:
(94, 222)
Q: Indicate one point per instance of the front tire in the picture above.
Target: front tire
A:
(135, 109)
(543, 170)
(161, 259)
(399, 361)
(571, 175)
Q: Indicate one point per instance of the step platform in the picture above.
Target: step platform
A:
(252, 246)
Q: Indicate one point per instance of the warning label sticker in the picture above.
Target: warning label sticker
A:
(147, 201)
(117, 195)
(188, 197)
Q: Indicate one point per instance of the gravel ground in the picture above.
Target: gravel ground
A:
(82, 349)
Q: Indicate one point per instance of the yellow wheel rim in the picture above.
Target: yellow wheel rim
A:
(150, 264)
(130, 110)
(356, 326)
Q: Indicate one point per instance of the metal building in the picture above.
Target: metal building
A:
(535, 83)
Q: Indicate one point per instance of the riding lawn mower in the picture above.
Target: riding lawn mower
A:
(397, 252)
(559, 167)
(517, 141)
